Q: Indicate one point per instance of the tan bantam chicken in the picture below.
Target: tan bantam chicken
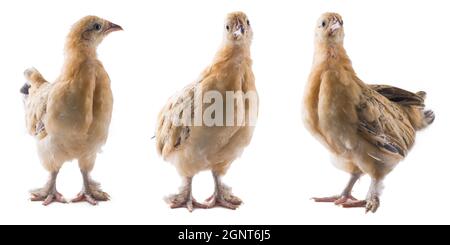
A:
(193, 147)
(70, 118)
(369, 129)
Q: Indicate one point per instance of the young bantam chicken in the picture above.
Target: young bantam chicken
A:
(367, 128)
(194, 147)
(70, 117)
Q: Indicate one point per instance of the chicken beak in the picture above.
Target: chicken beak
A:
(113, 27)
(239, 31)
(337, 25)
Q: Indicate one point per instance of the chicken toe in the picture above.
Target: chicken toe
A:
(223, 196)
(372, 204)
(338, 199)
(372, 201)
(184, 199)
(225, 200)
(346, 196)
(91, 192)
(354, 204)
(91, 198)
(48, 194)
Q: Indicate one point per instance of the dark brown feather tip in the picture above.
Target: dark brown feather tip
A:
(392, 148)
(429, 116)
(25, 89)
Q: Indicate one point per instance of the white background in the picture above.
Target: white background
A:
(165, 45)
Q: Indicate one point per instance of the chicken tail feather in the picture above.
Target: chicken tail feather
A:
(429, 117)
(34, 78)
(420, 118)
(422, 94)
(425, 117)
(25, 89)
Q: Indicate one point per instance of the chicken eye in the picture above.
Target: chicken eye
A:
(97, 27)
(228, 27)
(248, 22)
(323, 23)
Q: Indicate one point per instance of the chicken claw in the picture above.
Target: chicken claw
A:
(345, 197)
(372, 201)
(225, 200)
(222, 196)
(184, 201)
(47, 197)
(354, 204)
(91, 198)
(91, 192)
(370, 204)
(48, 194)
(338, 199)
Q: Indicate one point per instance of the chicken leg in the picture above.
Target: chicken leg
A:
(372, 201)
(48, 193)
(222, 196)
(346, 196)
(184, 199)
(91, 191)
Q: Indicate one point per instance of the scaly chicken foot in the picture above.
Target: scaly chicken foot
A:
(222, 196)
(184, 199)
(338, 199)
(346, 196)
(372, 201)
(48, 194)
(91, 191)
(371, 204)
(354, 204)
